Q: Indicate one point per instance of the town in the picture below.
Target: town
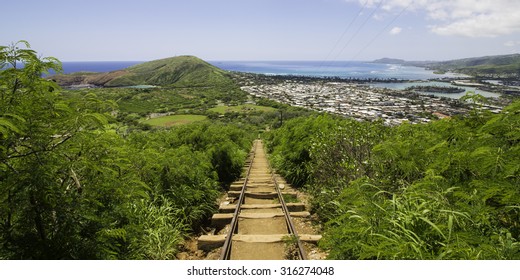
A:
(357, 100)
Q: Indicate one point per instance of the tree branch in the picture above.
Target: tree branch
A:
(40, 151)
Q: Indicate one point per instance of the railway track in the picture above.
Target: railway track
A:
(257, 218)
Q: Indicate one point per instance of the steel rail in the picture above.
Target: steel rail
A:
(226, 249)
(287, 214)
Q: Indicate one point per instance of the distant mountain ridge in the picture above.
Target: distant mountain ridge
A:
(498, 66)
(179, 71)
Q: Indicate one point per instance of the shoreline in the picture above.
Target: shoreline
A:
(492, 88)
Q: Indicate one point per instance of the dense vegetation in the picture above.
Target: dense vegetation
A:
(74, 185)
(223, 102)
(82, 176)
(101, 174)
(445, 190)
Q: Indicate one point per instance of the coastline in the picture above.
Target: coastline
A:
(377, 74)
(338, 69)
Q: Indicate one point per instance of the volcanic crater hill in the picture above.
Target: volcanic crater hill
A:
(179, 71)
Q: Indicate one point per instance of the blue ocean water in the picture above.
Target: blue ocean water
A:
(96, 66)
(343, 69)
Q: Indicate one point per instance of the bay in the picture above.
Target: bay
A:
(401, 86)
(342, 69)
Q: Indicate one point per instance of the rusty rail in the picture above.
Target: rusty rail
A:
(226, 249)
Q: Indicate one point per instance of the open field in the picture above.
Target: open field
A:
(246, 108)
(168, 121)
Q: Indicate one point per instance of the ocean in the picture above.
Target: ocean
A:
(343, 69)
(96, 66)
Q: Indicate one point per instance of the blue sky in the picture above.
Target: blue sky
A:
(130, 30)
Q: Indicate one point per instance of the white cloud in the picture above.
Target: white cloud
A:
(511, 44)
(378, 17)
(396, 30)
(470, 18)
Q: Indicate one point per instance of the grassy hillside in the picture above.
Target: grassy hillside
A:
(180, 71)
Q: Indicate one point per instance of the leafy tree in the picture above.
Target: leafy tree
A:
(37, 183)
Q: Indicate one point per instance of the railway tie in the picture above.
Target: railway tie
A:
(260, 222)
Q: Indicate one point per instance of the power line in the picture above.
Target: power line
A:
(355, 33)
(344, 33)
(358, 30)
(382, 30)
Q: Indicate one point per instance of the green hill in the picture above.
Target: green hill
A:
(180, 71)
